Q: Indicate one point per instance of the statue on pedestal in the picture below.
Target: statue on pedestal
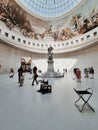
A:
(50, 54)
(50, 73)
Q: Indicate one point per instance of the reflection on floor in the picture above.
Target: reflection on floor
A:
(23, 108)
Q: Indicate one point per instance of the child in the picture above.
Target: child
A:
(22, 80)
(11, 73)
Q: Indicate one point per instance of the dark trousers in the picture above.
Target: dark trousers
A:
(19, 75)
(34, 79)
(18, 78)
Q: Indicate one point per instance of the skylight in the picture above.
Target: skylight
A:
(50, 8)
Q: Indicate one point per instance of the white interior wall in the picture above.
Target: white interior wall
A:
(84, 58)
(11, 57)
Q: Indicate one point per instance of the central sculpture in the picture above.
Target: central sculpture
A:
(50, 68)
(50, 73)
(50, 54)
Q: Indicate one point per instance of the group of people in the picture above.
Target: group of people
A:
(89, 73)
(21, 76)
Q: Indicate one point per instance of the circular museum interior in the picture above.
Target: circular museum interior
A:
(25, 33)
(58, 37)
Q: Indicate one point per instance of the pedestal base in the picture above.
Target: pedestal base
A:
(52, 75)
(50, 71)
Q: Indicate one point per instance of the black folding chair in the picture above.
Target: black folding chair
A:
(81, 93)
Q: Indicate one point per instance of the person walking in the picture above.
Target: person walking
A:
(35, 75)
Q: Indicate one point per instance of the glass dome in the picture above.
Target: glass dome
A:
(50, 8)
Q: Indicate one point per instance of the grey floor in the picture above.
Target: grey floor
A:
(23, 108)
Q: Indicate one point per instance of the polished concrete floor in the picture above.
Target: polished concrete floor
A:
(23, 108)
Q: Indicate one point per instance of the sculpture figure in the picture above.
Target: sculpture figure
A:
(50, 54)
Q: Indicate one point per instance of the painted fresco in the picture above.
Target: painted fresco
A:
(15, 17)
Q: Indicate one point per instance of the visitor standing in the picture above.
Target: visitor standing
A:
(20, 71)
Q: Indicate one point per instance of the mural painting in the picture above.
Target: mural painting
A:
(15, 17)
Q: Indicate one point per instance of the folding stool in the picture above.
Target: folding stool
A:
(81, 93)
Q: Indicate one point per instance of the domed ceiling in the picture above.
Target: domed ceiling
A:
(80, 21)
(49, 8)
